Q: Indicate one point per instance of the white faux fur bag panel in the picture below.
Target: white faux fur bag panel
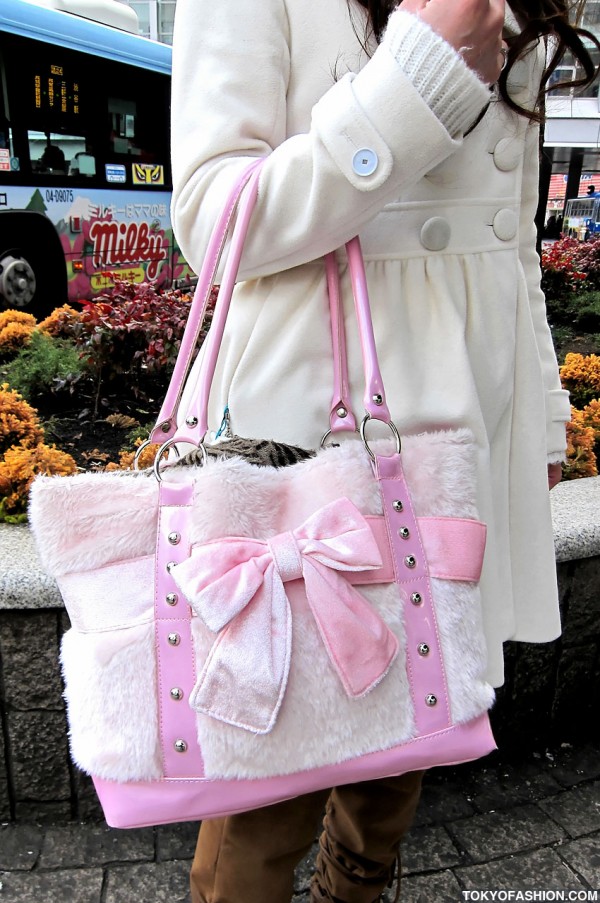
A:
(113, 515)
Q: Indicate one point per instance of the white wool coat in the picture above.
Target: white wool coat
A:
(381, 144)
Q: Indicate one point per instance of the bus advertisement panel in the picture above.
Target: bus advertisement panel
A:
(105, 234)
(85, 180)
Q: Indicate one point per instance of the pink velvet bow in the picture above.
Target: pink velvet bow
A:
(236, 585)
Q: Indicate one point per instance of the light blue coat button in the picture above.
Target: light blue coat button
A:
(365, 162)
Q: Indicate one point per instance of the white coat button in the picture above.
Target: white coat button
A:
(435, 234)
(365, 162)
(505, 224)
(506, 155)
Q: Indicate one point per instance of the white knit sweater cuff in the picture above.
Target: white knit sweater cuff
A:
(448, 86)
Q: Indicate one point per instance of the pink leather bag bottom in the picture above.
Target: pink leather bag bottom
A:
(138, 805)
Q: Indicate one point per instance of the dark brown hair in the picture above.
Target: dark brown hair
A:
(547, 19)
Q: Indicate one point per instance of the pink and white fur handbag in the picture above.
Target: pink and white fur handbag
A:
(242, 635)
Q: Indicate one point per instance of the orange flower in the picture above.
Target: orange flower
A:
(20, 467)
(580, 374)
(126, 458)
(60, 322)
(581, 460)
(19, 422)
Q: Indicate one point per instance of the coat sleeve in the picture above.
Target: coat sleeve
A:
(558, 410)
(232, 73)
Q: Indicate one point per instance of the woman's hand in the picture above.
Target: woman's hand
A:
(472, 27)
(554, 475)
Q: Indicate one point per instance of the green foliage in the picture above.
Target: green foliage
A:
(43, 367)
(7, 518)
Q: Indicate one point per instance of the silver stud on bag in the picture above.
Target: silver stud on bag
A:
(176, 693)
(191, 421)
(170, 566)
(180, 746)
(410, 561)
(423, 649)
(166, 426)
(172, 598)
(377, 399)
(342, 412)
(174, 538)
(404, 532)
(416, 598)
(174, 639)
(397, 505)
(430, 699)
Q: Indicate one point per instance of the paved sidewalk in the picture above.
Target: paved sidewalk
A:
(501, 824)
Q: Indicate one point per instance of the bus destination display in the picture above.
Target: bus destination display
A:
(55, 93)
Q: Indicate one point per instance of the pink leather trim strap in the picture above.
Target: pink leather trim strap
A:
(173, 638)
(453, 546)
(141, 804)
(424, 660)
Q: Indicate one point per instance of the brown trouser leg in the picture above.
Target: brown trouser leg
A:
(250, 858)
(363, 826)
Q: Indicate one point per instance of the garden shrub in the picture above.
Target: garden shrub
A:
(16, 328)
(580, 374)
(44, 366)
(562, 273)
(127, 458)
(19, 423)
(587, 260)
(61, 323)
(135, 331)
(581, 460)
(20, 465)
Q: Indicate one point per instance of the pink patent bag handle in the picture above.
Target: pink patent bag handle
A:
(166, 423)
(195, 424)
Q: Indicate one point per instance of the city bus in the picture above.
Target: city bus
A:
(85, 181)
(582, 217)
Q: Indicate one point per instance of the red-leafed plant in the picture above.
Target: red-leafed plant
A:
(130, 335)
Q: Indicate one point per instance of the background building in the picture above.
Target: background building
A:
(156, 18)
(572, 132)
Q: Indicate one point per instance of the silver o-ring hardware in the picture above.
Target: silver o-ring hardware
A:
(404, 532)
(430, 699)
(170, 443)
(176, 693)
(172, 598)
(397, 505)
(180, 746)
(174, 639)
(410, 561)
(329, 433)
(423, 649)
(174, 538)
(416, 598)
(140, 449)
(363, 433)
